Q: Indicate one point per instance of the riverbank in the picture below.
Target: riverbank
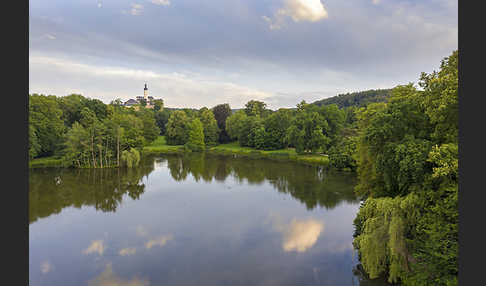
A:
(46, 162)
(160, 146)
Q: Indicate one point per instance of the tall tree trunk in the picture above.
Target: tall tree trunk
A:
(118, 148)
(101, 155)
(92, 150)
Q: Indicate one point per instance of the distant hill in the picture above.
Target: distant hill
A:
(360, 98)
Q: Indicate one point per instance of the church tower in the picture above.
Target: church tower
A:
(145, 93)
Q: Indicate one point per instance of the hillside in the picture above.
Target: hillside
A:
(360, 98)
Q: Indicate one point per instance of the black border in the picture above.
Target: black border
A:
(15, 210)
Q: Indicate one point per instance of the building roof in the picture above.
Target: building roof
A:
(131, 102)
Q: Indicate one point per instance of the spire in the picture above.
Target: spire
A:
(145, 88)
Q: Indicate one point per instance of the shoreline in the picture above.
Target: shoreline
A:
(233, 148)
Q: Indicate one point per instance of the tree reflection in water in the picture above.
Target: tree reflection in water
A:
(51, 190)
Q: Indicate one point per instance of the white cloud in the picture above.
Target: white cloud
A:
(96, 246)
(161, 2)
(45, 267)
(298, 10)
(136, 9)
(299, 235)
(127, 251)
(159, 241)
(108, 278)
(50, 36)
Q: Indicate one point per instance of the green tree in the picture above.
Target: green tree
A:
(177, 128)
(158, 104)
(195, 140)
(45, 122)
(161, 119)
(276, 125)
(130, 158)
(306, 131)
(34, 146)
(234, 124)
(407, 168)
(255, 108)
(221, 113)
(150, 129)
(210, 126)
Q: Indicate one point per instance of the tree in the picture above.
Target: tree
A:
(234, 124)
(407, 169)
(335, 118)
(276, 125)
(143, 102)
(158, 104)
(195, 140)
(161, 119)
(45, 122)
(255, 108)
(306, 131)
(210, 126)
(150, 128)
(34, 146)
(176, 128)
(77, 146)
(221, 113)
(130, 158)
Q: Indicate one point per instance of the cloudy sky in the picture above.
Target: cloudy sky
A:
(202, 53)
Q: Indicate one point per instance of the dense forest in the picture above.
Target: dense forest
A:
(407, 156)
(402, 142)
(358, 99)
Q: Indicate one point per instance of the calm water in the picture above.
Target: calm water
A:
(193, 220)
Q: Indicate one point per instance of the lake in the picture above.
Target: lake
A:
(193, 219)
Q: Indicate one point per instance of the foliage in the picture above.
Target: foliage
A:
(158, 104)
(306, 131)
(342, 155)
(221, 113)
(46, 127)
(130, 158)
(195, 140)
(176, 128)
(357, 99)
(381, 236)
(407, 159)
(234, 124)
(210, 126)
(150, 131)
(276, 125)
(256, 108)
(161, 119)
(86, 132)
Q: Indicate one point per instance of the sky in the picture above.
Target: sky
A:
(207, 52)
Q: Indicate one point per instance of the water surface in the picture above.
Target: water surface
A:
(193, 220)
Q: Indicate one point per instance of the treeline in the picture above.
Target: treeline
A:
(407, 155)
(307, 128)
(88, 133)
(357, 99)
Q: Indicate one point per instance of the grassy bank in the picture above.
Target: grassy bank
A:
(160, 146)
(46, 162)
